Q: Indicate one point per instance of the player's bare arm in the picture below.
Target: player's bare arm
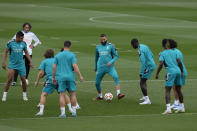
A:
(4, 58)
(29, 58)
(76, 68)
(54, 71)
(41, 74)
(159, 69)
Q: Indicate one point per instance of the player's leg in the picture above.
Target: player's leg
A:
(15, 78)
(73, 98)
(99, 77)
(68, 103)
(170, 79)
(24, 87)
(8, 82)
(42, 103)
(113, 73)
(143, 87)
(178, 84)
(62, 90)
(176, 101)
(27, 66)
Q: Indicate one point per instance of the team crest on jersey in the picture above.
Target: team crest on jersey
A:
(21, 46)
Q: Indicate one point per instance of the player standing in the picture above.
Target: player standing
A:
(173, 46)
(64, 64)
(16, 63)
(28, 38)
(169, 59)
(105, 57)
(147, 67)
(46, 69)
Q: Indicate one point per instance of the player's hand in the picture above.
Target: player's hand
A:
(108, 64)
(36, 83)
(54, 81)
(156, 77)
(31, 65)
(182, 74)
(95, 70)
(4, 66)
(31, 46)
(81, 79)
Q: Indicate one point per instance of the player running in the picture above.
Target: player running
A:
(173, 46)
(28, 38)
(46, 69)
(105, 57)
(16, 63)
(174, 71)
(63, 74)
(147, 67)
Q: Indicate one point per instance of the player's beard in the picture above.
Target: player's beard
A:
(104, 43)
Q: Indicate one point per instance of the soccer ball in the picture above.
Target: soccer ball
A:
(108, 97)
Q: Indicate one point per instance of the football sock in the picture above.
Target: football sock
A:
(182, 105)
(24, 94)
(118, 92)
(41, 108)
(69, 105)
(74, 109)
(5, 94)
(176, 102)
(168, 106)
(62, 109)
(146, 97)
(100, 95)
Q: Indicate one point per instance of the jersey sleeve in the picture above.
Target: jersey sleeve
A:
(25, 46)
(36, 40)
(161, 58)
(115, 55)
(96, 58)
(143, 61)
(42, 66)
(56, 60)
(74, 60)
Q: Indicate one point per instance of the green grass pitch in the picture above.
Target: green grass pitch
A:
(81, 21)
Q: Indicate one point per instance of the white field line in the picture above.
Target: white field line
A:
(102, 116)
(113, 81)
(93, 19)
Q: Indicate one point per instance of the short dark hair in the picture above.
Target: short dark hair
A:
(164, 41)
(49, 53)
(134, 40)
(103, 35)
(27, 23)
(173, 43)
(67, 43)
(19, 34)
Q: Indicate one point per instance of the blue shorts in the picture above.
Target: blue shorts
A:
(111, 71)
(49, 87)
(21, 71)
(66, 85)
(147, 74)
(173, 79)
(183, 80)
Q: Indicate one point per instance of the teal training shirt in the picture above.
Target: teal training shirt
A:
(104, 54)
(64, 61)
(180, 55)
(146, 58)
(169, 57)
(16, 54)
(47, 66)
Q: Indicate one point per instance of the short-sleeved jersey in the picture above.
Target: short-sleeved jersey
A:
(146, 58)
(47, 66)
(169, 57)
(64, 61)
(16, 54)
(104, 54)
(180, 55)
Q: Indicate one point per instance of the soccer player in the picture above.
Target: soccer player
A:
(105, 57)
(174, 70)
(147, 67)
(16, 63)
(28, 38)
(46, 69)
(173, 46)
(63, 74)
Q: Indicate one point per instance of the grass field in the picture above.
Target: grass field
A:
(81, 22)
